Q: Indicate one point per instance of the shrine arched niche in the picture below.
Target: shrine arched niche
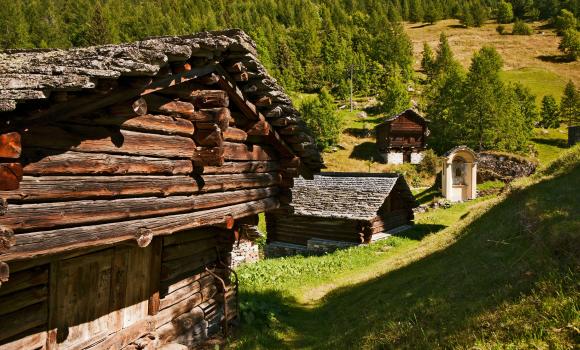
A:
(459, 174)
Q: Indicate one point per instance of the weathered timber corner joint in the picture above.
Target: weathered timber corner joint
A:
(126, 174)
(339, 210)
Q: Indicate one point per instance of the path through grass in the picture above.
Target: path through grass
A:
(492, 273)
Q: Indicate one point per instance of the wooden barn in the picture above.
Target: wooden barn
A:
(344, 207)
(403, 138)
(127, 172)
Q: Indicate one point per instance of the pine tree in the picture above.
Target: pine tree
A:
(550, 114)
(483, 91)
(564, 21)
(428, 61)
(319, 113)
(479, 14)
(570, 44)
(444, 57)
(98, 32)
(13, 28)
(416, 13)
(527, 106)
(444, 109)
(569, 105)
(505, 12)
(394, 98)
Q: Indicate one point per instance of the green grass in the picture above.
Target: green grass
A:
(550, 144)
(540, 82)
(495, 273)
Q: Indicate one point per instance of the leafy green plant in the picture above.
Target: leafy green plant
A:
(522, 28)
(321, 116)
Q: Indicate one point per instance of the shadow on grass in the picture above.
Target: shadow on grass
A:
(359, 132)
(419, 231)
(428, 195)
(456, 26)
(365, 151)
(560, 143)
(423, 25)
(472, 289)
(555, 58)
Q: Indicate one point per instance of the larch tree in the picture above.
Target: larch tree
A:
(394, 98)
(505, 12)
(550, 114)
(483, 91)
(569, 105)
(428, 61)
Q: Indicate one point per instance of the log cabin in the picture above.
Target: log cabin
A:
(402, 138)
(126, 174)
(354, 208)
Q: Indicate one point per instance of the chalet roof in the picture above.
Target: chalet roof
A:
(28, 78)
(345, 195)
(406, 112)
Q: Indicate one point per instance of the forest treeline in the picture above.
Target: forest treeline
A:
(306, 44)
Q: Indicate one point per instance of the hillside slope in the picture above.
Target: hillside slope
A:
(505, 275)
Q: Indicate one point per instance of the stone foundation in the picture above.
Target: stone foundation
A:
(394, 157)
(245, 252)
(416, 157)
(317, 246)
(280, 249)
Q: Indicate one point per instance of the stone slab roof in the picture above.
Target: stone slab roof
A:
(30, 76)
(409, 111)
(343, 195)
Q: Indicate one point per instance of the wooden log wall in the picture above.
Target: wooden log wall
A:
(176, 151)
(191, 300)
(111, 182)
(299, 229)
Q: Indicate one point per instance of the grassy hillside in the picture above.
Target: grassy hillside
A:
(532, 60)
(497, 272)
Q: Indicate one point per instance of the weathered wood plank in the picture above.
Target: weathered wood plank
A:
(187, 249)
(209, 137)
(23, 320)
(103, 140)
(166, 105)
(130, 108)
(241, 167)
(25, 279)
(49, 215)
(155, 280)
(79, 187)
(240, 151)
(10, 176)
(22, 299)
(46, 162)
(185, 237)
(10, 145)
(161, 124)
(82, 105)
(33, 244)
(235, 135)
(209, 98)
(33, 341)
(184, 266)
(167, 315)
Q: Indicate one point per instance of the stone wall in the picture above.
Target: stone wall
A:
(503, 166)
(416, 157)
(394, 158)
(246, 250)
